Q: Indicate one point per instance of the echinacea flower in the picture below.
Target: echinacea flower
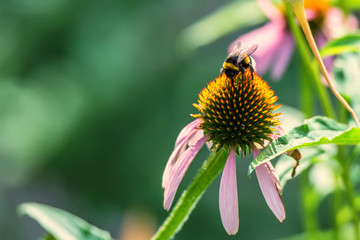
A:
(275, 38)
(235, 114)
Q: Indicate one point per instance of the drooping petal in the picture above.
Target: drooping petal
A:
(228, 196)
(178, 171)
(196, 136)
(185, 131)
(255, 151)
(171, 162)
(193, 135)
(284, 53)
(270, 191)
(274, 176)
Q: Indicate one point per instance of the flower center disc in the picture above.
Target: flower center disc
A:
(237, 111)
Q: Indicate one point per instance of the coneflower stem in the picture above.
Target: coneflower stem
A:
(188, 200)
(306, 94)
(310, 204)
(349, 189)
(310, 69)
(299, 10)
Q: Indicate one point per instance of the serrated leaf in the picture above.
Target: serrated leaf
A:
(315, 131)
(61, 224)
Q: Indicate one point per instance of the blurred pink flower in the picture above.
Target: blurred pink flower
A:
(276, 44)
(189, 142)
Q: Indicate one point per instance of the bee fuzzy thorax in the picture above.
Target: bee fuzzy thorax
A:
(239, 60)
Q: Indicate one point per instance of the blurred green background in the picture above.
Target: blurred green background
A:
(92, 96)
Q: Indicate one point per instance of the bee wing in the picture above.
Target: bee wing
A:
(238, 48)
(250, 50)
(236, 52)
(238, 45)
(242, 52)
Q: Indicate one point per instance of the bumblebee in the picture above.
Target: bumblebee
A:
(239, 60)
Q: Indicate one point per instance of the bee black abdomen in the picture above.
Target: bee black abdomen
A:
(230, 73)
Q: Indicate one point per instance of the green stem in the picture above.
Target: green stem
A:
(307, 97)
(349, 189)
(336, 204)
(180, 213)
(343, 6)
(310, 76)
(310, 68)
(346, 162)
(310, 203)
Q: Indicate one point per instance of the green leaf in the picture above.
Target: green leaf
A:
(345, 232)
(284, 166)
(348, 43)
(347, 75)
(353, 4)
(231, 17)
(48, 237)
(315, 131)
(61, 224)
(188, 200)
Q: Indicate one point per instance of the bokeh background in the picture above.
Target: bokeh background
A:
(92, 96)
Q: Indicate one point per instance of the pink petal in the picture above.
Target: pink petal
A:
(195, 137)
(269, 37)
(352, 23)
(256, 151)
(171, 162)
(311, 14)
(185, 131)
(321, 40)
(281, 131)
(228, 196)
(284, 53)
(270, 10)
(274, 176)
(333, 20)
(190, 139)
(270, 191)
(178, 171)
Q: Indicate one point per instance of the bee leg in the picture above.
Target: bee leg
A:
(252, 71)
(242, 70)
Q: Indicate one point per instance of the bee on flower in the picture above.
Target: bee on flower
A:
(277, 43)
(235, 113)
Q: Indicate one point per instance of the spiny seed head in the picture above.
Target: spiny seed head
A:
(237, 111)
